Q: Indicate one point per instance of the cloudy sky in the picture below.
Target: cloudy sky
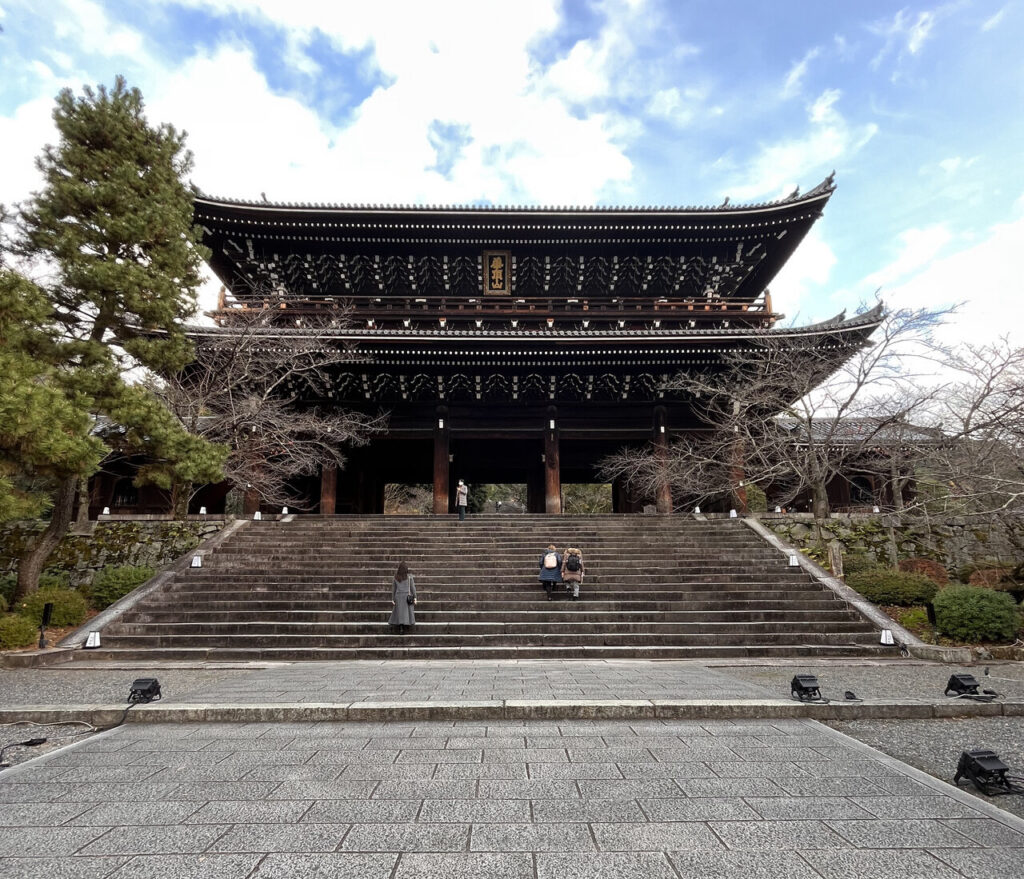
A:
(918, 107)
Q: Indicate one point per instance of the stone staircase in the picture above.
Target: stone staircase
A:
(318, 588)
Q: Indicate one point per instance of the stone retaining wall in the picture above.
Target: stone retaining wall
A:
(139, 542)
(952, 542)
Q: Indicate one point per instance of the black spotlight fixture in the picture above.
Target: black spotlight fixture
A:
(987, 772)
(805, 688)
(144, 690)
(962, 684)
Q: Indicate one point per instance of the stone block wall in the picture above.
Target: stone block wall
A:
(153, 543)
(952, 542)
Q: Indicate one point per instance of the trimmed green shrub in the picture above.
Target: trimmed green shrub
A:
(111, 584)
(889, 586)
(69, 606)
(971, 614)
(16, 631)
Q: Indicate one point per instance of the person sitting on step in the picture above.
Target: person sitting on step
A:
(573, 570)
(550, 566)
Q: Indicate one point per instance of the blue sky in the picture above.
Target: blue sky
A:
(918, 107)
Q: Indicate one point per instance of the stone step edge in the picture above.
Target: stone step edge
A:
(106, 716)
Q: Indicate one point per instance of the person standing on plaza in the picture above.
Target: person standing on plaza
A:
(403, 596)
(550, 566)
(573, 570)
(462, 499)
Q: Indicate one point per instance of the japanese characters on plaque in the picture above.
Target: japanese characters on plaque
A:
(497, 273)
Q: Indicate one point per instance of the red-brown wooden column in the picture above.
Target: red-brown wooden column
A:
(552, 468)
(250, 502)
(328, 489)
(663, 500)
(441, 444)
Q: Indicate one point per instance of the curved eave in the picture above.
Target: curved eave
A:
(856, 329)
(277, 212)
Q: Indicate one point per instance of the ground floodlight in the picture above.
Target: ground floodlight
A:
(794, 562)
(805, 688)
(962, 684)
(93, 641)
(886, 638)
(144, 690)
(197, 561)
(696, 510)
(732, 514)
(202, 511)
(984, 768)
(284, 511)
(256, 516)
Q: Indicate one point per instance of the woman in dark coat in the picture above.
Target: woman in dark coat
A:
(403, 594)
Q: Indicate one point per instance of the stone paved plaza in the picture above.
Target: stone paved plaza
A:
(505, 798)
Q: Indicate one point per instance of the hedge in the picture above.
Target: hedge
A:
(889, 586)
(972, 614)
(17, 631)
(111, 584)
(69, 606)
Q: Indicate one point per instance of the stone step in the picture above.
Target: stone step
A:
(426, 628)
(400, 652)
(581, 611)
(319, 587)
(537, 639)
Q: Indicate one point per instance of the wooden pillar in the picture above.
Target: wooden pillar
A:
(441, 444)
(663, 500)
(552, 468)
(328, 489)
(250, 501)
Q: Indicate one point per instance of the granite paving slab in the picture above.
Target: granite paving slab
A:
(597, 812)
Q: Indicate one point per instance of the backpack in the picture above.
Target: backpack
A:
(551, 561)
(572, 563)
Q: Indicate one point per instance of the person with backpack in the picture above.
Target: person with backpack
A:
(550, 569)
(403, 597)
(573, 570)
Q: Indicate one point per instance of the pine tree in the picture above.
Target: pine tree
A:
(44, 433)
(111, 237)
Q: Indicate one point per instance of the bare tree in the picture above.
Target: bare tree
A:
(789, 415)
(265, 391)
(978, 469)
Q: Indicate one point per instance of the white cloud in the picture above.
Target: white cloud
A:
(779, 166)
(797, 72)
(22, 137)
(918, 248)
(906, 32)
(806, 272)
(994, 21)
(984, 277)
(87, 24)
